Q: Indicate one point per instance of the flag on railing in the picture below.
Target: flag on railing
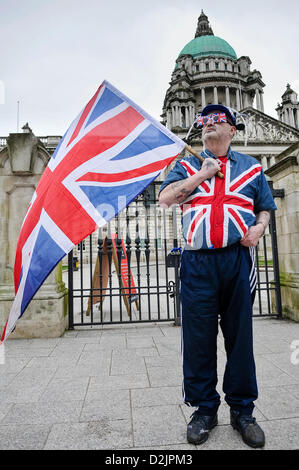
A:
(111, 152)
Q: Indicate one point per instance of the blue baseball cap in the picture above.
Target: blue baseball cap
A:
(210, 108)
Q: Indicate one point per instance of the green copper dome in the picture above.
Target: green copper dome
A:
(204, 46)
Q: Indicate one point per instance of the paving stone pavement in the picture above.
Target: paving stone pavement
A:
(119, 387)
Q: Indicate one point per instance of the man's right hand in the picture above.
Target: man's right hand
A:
(210, 167)
(178, 191)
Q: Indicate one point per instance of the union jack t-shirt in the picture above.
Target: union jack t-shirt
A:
(219, 211)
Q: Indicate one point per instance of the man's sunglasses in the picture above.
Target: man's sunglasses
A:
(215, 118)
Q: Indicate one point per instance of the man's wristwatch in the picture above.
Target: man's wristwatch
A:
(260, 222)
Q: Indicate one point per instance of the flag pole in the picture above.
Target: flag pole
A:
(197, 155)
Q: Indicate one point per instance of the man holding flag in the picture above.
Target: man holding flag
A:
(222, 221)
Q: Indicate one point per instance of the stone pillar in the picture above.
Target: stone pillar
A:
(180, 116)
(241, 99)
(169, 119)
(203, 97)
(285, 175)
(215, 95)
(191, 114)
(246, 100)
(262, 101)
(173, 112)
(258, 103)
(22, 163)
(187, 117)
(227, 97)
(291, 114)
(168, 122)
(264, 162)
(177, 115)
(286, 116)
(296, 118)
(238, 99)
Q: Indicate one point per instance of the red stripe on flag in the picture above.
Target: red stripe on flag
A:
(245, 177)
(205, 186)
(238, 220)
(193, 225)
(189, 170)
(101, 138)
(126, 175)
(84, 115)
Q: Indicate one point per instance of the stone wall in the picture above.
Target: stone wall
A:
(285, 175)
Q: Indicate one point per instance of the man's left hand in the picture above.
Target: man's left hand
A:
(252, 235)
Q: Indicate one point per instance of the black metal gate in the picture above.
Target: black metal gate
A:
(128, 272)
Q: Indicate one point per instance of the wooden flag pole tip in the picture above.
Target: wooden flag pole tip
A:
(197, 155)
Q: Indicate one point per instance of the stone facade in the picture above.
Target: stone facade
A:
(285, 175)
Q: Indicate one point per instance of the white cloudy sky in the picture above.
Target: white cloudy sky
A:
(55, 53)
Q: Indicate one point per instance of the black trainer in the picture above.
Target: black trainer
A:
(199, 428)
(251, 432)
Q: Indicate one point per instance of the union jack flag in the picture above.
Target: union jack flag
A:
(111, 152)
(217, 117)
(217, 203)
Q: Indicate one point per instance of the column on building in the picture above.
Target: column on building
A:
(215, 95)
(180, 115)
(264, 162)
(187, 120)
(283, 117)
(286, 116)
(168, 119)
(227, 97)
(296, 119)
(172, 116)
(258, 103)
(203, 97)
(241, 98)
(177, 117)
(191, 113)
(262, 101)
(272, 160)
(246, 101)
(238, 99)
(291, 114)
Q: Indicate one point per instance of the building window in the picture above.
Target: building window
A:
(216, 65)
(207, 66)
(225, 66)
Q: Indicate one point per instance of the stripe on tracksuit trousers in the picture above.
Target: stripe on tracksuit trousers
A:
(218, 283)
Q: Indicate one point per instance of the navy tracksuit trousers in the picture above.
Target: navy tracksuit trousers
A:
(215, 284)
